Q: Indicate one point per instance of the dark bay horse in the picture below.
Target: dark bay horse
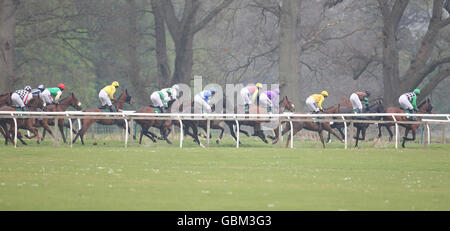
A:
(312, 126)
(86, 123)
(424, 108)
(35, 104)
(376, 107)
(63, 104)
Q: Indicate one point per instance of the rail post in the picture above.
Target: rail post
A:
(237, 133)
(55, 133)
(396, 132)
(70, 130)
(126, 131)
(132, 131)
(15, 130)
(208, 127)
(345, 131)
(292, 132)
(427, 130)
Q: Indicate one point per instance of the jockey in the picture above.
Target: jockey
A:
(250, 94)
(20, 98)
(202, 99)
(107, 94)
(48, 93)
(356, 99)
(38, 90)
(408, 102)
(314, 102)
(267, 99)
(161, 98)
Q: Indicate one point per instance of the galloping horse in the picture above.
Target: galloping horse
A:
(163, 125)
(424, 108)
(34, 104)
(312, 126)
(284, 105)
(86, 123)
(63, 104)
(361, 128)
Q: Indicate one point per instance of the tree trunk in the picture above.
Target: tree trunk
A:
(162, 60)
(289, 68)
(7, 43)
(133, 67)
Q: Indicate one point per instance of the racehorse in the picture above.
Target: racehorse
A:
(35, 104)
(361, 128)
(424, 108)
(86, 123)
(284, 105)
(63, 104)
(163, 125)
(312, 126)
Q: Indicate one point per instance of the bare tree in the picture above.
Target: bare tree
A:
(182, 30)
(422, 64)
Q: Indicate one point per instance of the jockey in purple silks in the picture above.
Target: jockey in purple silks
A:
(269, 98)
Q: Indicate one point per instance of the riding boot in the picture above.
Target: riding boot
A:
(269, 110)
(246, 109)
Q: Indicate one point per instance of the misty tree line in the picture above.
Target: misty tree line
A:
(385, 46)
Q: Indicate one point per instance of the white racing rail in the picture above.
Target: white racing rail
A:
(131, 116)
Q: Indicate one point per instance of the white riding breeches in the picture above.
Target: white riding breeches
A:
(356, 103)
(201, 104)
(404, 103)
(311, 105)
(104, 98)
(156, 99)
(246, 96)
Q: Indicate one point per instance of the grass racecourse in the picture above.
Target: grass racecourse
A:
(256, 176)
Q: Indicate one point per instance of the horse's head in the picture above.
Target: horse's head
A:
(333, 109)
(377, 106)
(75, 102)
(286, 104)
(36, 103)
(125, 98)
(426, 107)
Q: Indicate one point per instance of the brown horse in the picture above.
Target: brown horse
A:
(424, 108)
(284, 105)
(312, 126)
(35, 104)
(86, 123)
(163, 125)
(63, 104)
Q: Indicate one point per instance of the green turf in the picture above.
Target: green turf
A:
(257, 176)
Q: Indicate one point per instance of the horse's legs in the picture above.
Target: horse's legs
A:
(84, 127)
(142, 133)
(358, 130)
(61, 129)
(321, 138)
(221, 134)
(405, 138)
(295, 130)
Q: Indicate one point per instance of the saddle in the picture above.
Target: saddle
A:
(156, 109)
